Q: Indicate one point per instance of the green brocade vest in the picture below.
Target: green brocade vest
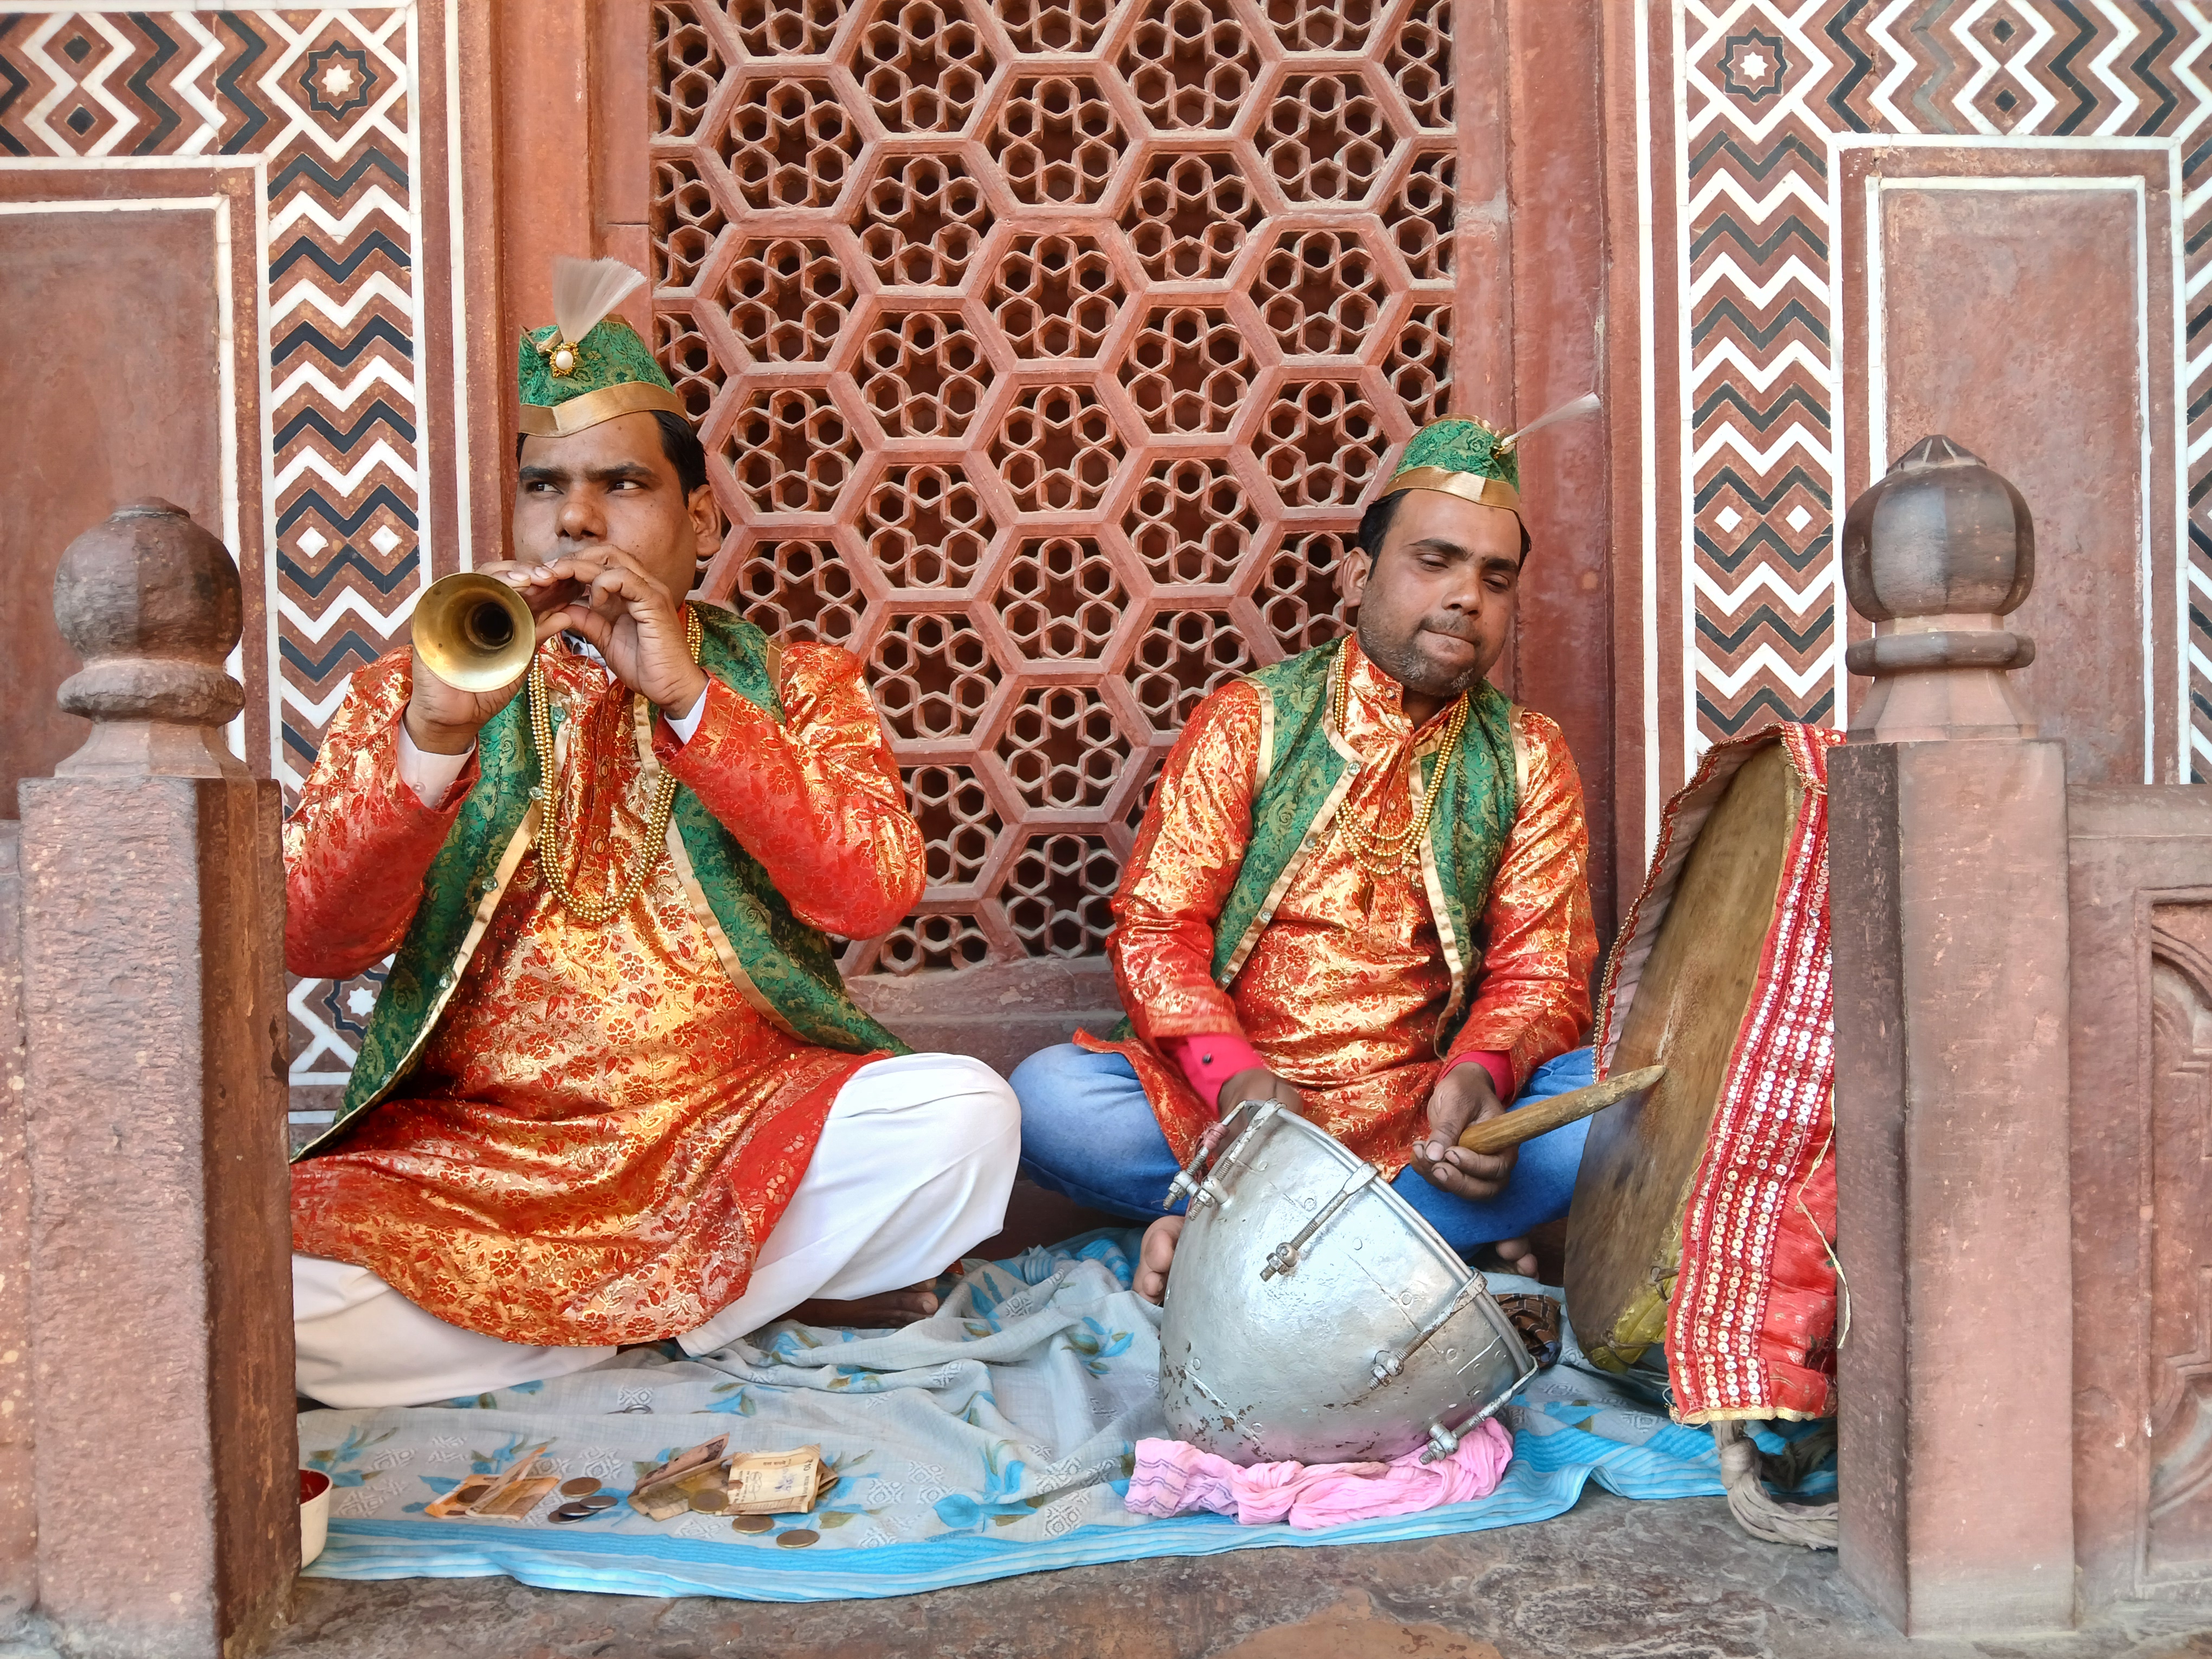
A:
(785, 968)
(1305, 770)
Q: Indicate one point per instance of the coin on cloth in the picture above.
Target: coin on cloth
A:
(710, 1500)
(596, 1502)
(755, 1523)
(582, 1487)
(568, 1512)
(797, 1539)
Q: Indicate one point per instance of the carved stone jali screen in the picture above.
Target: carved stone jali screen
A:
(1044, 354)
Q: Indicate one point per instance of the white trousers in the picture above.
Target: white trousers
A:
(912, 1169)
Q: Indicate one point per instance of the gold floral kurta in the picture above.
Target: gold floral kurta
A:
(601, 1129)
(1343, 993)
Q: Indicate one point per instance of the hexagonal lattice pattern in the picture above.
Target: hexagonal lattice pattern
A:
(1059, 597)
(1062, 748)
(922, 63)
(1321, 443)
(1189, 369)
(1057, 449)
(1418, 366)
(686, 69)
(957, 821)
(1056, 139)
(1190, 521)
(1421, 215)
(686, 219)
(783, 28)
(1190, 214)
(689, 357)
(1055, 296)
(1326, 26)
(1419, 63)
(1327, 138)
(926, 527)
(1059, 895)
(923, 374)
(989, 294)
(799, 590)
(1067, 26)
(933, 675)
(1189, 64)
(1298, 597)
(788, 298)
(1183, 655)
(789, 144)
(791, 450)
(921, 219)
(1320, 293)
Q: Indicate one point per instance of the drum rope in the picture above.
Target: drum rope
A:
(1745, 1471)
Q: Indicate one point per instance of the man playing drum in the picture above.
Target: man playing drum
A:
(1360, 891)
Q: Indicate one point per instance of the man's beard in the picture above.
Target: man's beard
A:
(1403, 662)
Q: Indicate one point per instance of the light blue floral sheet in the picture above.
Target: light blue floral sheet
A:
(995, 1438)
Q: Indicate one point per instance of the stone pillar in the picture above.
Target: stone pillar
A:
(161, 1300)
(1946, 857)
(19, 1535)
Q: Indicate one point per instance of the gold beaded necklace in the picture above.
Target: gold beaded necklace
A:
(1377, 853)
(590, 911)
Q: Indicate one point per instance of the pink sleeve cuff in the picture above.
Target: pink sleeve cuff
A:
(1499, 1067)
(1209, 1061)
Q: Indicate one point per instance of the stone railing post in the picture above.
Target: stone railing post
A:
(1946, 857)
(161, 1293)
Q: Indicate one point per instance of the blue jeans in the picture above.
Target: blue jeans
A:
(1088, 1132)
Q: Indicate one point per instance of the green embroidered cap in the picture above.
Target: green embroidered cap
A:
(588, 367)
(1472, 459)
(1469, 459)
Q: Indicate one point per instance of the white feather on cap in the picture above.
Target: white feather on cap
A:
(1585, 404)
(585, 290)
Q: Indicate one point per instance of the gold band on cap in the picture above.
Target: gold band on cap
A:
(1467, 486)
(627, 399)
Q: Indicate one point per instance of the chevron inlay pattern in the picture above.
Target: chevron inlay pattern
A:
(1762, 88)
(320, 98)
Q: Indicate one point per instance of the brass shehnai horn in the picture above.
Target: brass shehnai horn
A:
(475, 633)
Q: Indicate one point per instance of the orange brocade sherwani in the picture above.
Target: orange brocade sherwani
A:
(601, 1129)
(1343, 993)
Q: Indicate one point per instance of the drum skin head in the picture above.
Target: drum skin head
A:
(1625, 1229)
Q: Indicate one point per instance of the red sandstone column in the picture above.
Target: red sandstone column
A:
(160, 1300)
(1946, 855)
(19, 1540)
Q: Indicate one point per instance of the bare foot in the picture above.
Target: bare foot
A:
(1519, 1255)
(1150, 1279)
(886, 1310)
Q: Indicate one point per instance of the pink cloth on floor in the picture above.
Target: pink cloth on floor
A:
(1173, 1478)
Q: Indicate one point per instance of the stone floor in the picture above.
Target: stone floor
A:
(1655, 1581)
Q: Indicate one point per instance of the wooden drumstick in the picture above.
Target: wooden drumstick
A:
(1541, 1116)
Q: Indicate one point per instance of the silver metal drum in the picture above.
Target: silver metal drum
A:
(1311, 1315)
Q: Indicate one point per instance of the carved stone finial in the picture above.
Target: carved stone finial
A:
(1934, 554)
(151, 602)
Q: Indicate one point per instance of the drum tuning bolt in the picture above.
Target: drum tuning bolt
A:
(1443, 1443)
(1388, 1365)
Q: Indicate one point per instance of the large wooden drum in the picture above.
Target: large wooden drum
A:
(1703, 1211)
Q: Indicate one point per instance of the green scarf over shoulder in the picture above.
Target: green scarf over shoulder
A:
(1305, 770)
(791, 970)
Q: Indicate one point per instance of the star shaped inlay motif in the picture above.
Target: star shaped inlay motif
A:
(1755, 65)
(338, 80)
